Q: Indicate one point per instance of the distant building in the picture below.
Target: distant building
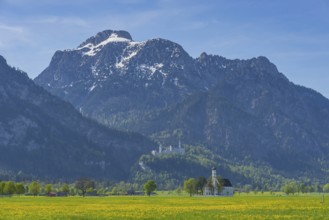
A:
(169, 150)
(211, 188)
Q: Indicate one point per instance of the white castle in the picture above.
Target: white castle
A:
(169, 150)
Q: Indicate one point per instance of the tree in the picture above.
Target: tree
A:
(299, 187)
(247, 188)
(20, 189)
(101, 191)
(84, 184)
(35, 188)
(9, 188)
(2, 186)
(66, 189)
(303, 188)
(190, 186)
(290, 188)
(326, 188)
(90, 190)
(310, 189)
(49, 188)
(73, 191)
(178, 190)
(201, 183)
(149, 187)
(316, 187)
(122, 188)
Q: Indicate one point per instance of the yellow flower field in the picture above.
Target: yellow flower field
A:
(166, 207)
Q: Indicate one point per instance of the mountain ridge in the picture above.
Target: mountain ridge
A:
(43, 136)
(244, 109)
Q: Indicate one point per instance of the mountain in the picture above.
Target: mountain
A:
(127, 77)
(45, 137)
(244, 111)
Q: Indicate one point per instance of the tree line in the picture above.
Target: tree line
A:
(82, 187)
(34, 188)
(85, 186)
(295, 187)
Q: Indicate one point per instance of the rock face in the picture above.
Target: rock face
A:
(43, 136)
(244, 110)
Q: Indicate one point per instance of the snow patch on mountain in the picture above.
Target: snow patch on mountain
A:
(94, 49)
(131, 51)
(94, 70)
(151, 69)
(92, 87)
(125, 59)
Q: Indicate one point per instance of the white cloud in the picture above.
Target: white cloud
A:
(12, 35)
(13, 29)
(57, 20)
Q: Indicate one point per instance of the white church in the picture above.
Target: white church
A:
(212, 190)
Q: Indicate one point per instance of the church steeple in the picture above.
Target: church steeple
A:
(213, 176)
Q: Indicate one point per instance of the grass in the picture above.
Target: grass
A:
(166, 207)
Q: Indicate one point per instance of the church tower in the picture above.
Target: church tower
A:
(213, 176)
(214, 180)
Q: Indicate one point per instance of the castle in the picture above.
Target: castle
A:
(169, 150)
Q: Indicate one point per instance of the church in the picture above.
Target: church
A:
(211, 188)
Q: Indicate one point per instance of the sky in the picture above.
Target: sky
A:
(292, 34)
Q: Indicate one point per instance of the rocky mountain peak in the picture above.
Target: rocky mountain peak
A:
(106, 35)
(9, 73)
(263, 67)
(208, 58)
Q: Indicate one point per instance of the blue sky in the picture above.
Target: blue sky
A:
(293, 34)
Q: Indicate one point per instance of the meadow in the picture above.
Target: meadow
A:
(166, 207)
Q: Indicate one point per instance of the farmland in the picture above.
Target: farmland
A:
(166, 207)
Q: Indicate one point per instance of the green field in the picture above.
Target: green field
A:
(166, 207)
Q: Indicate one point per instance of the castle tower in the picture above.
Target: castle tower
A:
(160, 148)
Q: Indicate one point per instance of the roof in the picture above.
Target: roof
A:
(227, 183)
